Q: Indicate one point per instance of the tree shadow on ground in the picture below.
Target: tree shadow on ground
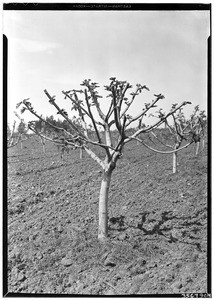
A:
(156, 229)
(24, 159)
(45, 169)
(119, 221)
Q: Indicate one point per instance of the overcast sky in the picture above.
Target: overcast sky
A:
(57, 50)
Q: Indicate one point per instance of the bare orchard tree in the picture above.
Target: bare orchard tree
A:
(12, 138)
(59, 136)
(22, 130)
(177, 132)
(42, 140)
(78, 123)
(15, 137)
(197, 126)
(63, 145)
(87, 103)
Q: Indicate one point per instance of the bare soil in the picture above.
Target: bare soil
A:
(157, 223)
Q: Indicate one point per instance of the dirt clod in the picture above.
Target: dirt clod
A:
(66, 262)
(110, 262)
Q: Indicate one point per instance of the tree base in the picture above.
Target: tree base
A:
(102, 239)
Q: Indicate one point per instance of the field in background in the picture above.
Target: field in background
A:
(158, 223)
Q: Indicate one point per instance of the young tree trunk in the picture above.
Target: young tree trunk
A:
(175, 156)
(197, 148)
(81, 153)
(174, 167)
(21, 145)
(62, 153)
(43, 147)
(103, 206)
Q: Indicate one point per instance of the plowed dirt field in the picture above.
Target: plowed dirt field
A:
(157, 223)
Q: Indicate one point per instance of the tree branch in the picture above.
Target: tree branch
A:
(94, 156)
(92, 117)
(158, 123)
(133, 97)
(11, 143)
(166, 145)
(146, 110)
(109, 111)
(116, 111)
(52, 140)
(43, 120)
(77, 103)
(94, 97)
(52, 101)
(159, 151)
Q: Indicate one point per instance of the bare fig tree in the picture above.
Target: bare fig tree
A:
(14, 136)
(197, 126)
(87, 104)
(177, 132)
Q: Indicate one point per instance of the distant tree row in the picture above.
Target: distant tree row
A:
(15, 136)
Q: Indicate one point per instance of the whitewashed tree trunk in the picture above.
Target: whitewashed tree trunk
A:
(81, 153)
(174, 167)
(174, 160)
(21, 145)
(43, 144)
(103, 206)
(175, 156)
(43, 147)
(203, 144)
(197, 148)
